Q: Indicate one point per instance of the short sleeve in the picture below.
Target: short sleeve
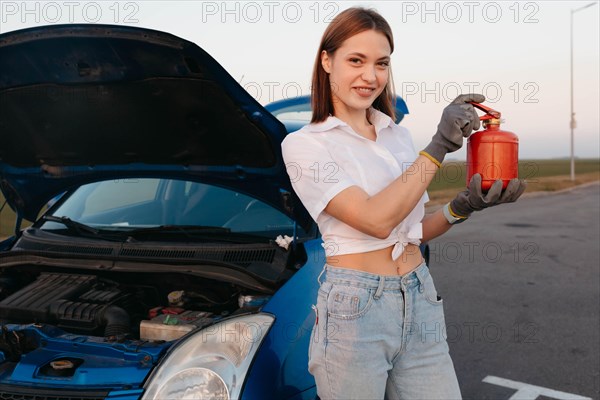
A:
(315, 176)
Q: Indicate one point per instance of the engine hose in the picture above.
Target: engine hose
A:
(116, 321)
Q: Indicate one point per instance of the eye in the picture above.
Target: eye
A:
(355, 60)
(384, 64)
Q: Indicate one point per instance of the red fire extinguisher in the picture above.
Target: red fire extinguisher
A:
(493, 153)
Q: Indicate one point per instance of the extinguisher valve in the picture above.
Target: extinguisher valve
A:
(491, 121)
(489, 113)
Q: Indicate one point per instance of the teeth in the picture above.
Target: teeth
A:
(366, 90)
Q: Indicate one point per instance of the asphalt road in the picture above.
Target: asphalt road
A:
(521, 290)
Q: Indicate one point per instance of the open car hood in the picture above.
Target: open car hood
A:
(82, 103)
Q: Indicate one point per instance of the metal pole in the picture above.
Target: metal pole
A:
(573, 123)
(572, 112)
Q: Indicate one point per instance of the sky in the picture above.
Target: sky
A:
(515, 53)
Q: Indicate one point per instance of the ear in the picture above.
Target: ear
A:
(325, 61)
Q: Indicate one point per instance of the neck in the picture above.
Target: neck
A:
(354, 118)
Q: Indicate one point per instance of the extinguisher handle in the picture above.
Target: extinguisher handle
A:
(489, 113)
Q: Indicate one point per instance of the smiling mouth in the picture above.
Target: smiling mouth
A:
(364, 92)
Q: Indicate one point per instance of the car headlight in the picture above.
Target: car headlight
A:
(212, 363)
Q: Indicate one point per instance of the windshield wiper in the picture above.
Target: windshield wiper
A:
(78, 227)
(73, 225)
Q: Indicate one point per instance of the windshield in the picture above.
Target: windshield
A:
(129, 204)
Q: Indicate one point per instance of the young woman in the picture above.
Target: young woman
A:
(379, 323)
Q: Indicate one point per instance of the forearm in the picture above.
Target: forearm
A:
(391, 205)
(434, 225)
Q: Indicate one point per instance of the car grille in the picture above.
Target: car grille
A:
(240, 254)
(58, 248)
(17, 393)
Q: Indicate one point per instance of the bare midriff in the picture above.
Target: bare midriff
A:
(380, 261)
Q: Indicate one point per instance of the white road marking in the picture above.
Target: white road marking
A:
(526, 391)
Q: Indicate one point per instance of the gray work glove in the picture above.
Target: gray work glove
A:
(473, 199)
(459, 118)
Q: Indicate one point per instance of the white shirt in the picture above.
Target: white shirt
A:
(322, 159)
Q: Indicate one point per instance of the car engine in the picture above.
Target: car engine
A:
(136, 306)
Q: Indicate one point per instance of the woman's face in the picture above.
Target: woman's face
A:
(358, 71)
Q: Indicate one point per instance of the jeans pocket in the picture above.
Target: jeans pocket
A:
(318, 337)
(324, 289)
(431, 293)
(348, 302)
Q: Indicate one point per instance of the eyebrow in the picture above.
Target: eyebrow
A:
(363, 56)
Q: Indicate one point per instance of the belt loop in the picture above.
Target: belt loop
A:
(379, 287)
(319, 277)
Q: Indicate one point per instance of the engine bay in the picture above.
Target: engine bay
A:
(119, 305)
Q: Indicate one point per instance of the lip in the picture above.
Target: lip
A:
(362, 93)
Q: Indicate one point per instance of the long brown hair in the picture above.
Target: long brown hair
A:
(347, 24)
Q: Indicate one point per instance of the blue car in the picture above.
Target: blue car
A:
(174, 261)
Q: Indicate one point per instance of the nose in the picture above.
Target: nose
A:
(368, 74)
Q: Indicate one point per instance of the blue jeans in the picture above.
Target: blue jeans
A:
(380, 337)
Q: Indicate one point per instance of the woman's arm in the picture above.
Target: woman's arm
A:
(434, 225)
(379, 214)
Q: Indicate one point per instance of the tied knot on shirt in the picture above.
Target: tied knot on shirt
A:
(403, 238)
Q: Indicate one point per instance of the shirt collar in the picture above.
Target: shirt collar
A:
(330, 123)
(377, 118)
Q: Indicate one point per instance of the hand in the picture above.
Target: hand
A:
(473, 199)
(459, 118)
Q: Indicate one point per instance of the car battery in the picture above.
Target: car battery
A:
(173, 326)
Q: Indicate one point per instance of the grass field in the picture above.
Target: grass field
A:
(541, 175)
(453, 174)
